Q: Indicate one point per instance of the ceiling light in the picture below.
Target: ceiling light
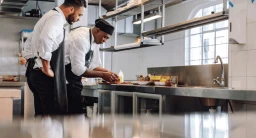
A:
(148, 18)
(1, 1)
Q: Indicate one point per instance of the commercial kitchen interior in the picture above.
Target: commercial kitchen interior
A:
(209, 100)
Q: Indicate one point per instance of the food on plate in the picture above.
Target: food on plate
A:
(147, 78)
(165, 78)
(126, 82)
(151, 83)
(107, 82)
(155, 78)
(168, 83)
(140, 77)
(159, 78)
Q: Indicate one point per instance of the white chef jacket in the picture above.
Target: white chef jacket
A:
(46, 37)
(77, 45)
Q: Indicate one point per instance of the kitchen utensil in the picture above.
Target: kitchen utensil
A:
(174, 80)
(139, 77)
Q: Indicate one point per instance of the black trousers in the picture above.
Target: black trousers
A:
(74, 99)
(42, 88)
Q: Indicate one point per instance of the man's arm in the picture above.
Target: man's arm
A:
(46, 69)
(105, 70)
(49, 33)
(101, 69)
(108, 76)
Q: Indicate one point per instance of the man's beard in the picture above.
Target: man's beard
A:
(70, 19)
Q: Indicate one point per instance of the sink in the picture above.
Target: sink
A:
(211, 103)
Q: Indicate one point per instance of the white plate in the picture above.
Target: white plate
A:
(160, 83)
(141, 82)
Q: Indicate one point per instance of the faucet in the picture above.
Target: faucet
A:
(222, 81)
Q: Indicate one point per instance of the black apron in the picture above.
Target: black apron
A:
(71, 77)
(60, 90)
(58, 66)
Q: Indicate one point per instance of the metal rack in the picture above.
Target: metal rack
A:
(136, 9)
(112, 49)
(188, 24)
(151, 4)
(216, 17)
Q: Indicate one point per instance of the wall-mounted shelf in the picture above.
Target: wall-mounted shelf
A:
(19, 17)
(135, 9)
(112, 49)
(122, 13)
(216, 17)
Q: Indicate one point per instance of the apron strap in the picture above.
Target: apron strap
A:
(90, 38)
(55, 10)
(89, 54)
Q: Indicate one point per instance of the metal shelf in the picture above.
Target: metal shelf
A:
(19, 17)
(112, 49)
(220, 16)
(136, 9)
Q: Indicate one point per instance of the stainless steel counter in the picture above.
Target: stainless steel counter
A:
(200, 92)
(11, 84)
(194, 125)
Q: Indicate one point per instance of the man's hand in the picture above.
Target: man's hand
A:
(114, 74)
(108, 76)
(22, 61)
(48, 72)
(46, 69)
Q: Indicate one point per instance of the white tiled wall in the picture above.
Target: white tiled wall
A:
(238, 63)
(242, 64)
(251, 65)
(251, 33)
(238, 83)
(251, 81)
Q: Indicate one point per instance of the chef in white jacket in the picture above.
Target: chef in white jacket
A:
(44, 51)
(82, 60)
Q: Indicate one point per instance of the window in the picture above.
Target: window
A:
(206, 42)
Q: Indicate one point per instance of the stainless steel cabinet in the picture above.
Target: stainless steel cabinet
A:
(123, 102)
(148, 104)
(104, 102)
(131, 103)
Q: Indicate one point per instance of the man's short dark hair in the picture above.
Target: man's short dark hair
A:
(75, 3)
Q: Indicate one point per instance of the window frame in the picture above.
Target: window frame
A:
(202, 32)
